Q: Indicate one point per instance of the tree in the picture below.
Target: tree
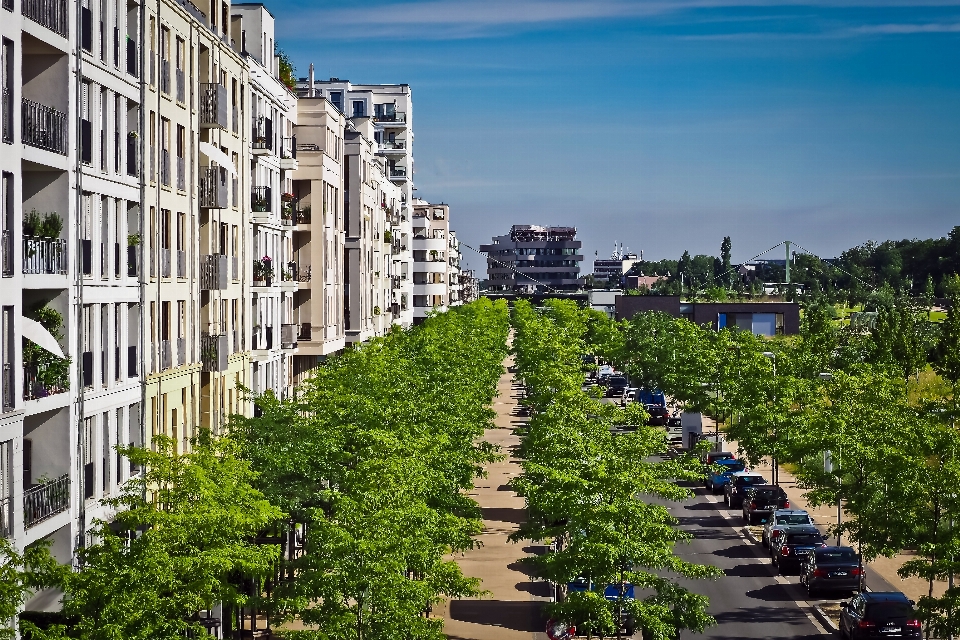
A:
(726, 249)
(946, 357)
(22, 574)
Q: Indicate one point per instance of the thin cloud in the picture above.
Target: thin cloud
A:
(894, 29)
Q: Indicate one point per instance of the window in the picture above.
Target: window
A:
(6, 74)
(358, 109)
(336, 99)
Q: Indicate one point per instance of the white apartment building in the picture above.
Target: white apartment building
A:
(436, 260)
(390, 108)
(274, 216)
(320, 237)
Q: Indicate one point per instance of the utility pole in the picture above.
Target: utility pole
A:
(787, 243)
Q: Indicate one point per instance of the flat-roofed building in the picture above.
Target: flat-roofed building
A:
(534, 258)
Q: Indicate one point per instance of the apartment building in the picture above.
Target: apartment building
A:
(436, 259)
(320, 237)
(390, 108)
(371, 200)
(40, 291)
(274, 215)
(533, 258)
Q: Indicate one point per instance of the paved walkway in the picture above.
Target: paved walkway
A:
(512, 609)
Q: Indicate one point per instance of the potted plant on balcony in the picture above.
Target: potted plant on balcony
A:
(287, 197)
(387, 237)
(267, 269)
(433, 255)
(260, 204)
(46, 374)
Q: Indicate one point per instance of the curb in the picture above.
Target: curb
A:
(824, 618)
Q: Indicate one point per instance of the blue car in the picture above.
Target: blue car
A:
(717, 479)
(610, 592)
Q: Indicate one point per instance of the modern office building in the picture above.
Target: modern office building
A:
(613, 267)
(390, 108)
(534, 259)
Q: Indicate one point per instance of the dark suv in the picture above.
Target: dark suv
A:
(760, 502)
(879, 614)
(616, 385)
(739, 482)
(794, 545)
(832, 569)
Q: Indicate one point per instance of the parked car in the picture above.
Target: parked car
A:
(714, 456)
(719, 474)
(795, 543)
(740, 480)
(760, 502)
(879, 614)
(773, 528)
(832, 569)
(616, 385)
(651, 396)
(658, 415)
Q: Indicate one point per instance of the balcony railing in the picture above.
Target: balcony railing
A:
(213, 105)
(393, 144)
(288, 147)
(7, 115)
(181, 85)
(261, 200)
(397, 172)
(235, 122)
(44, 255)
(165, 76)
(213, 188)
(213, 272)
(8, 5)
(305, 334)
(262, 135)
(133, 153)
(133, 364)
(181, 264)
(164, 263)
(288, 336)
(234, 268)
(181, 174)
(52, 14)
(166, 355)
(8, 388)
(389, 116)
(165, 167)
(39, 383)
(43, 127)
(214, 352)
(6, 517)
(46, 500)
(6, 260)
(181, 351)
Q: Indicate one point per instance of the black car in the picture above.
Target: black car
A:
(879, 614)
(616, 385)
(761, 501)
(794, 545)
(832, 569)
(658, 415)
(739, 481)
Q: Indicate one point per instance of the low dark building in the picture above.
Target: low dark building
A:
(761, 318)
(534, 259)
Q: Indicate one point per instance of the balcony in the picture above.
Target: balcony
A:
(133, 363)
(305, 334)
(393, 145)
(164, 263)
(288, 148)
(397, 173)
(261, 199)
(214, 352)
(288, 336)
(44, 256)
(262, 339)
(261, 138)
(43, 127)
(387, 113)
(213, 273)
(51, 14)
(213, 106)
(46, 500)
(214, 192)
(7, 115)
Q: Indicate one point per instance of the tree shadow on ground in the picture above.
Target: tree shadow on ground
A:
(515, 515)
(519, 616)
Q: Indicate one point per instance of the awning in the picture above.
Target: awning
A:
(218, 156)
(36, 333)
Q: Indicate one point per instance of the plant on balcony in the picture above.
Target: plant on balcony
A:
(263, 268)
(376, 310)
(286, 69)
(303, 215)
(46, 225)
(46, 374)
(387, 237)
(433, 254)
(133, 239)
(260, 205)
(286, 275)
(287, 197)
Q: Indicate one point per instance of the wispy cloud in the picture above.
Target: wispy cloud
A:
(450, 19)
(894, 29)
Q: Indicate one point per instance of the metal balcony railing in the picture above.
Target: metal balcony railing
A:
(262, 134)
(51, 14)
(181, 85)
(181, 174)
(165, 167)
(214, 352)
(213, 188)
(288, 336)
(166, 355)
(393, 144)
(8, 5)
(6, 517)
(6, 260)
(43, 127)
(165, 76)
(7, 115)
(388, 115)
(164, 263)
(213, 105)
(33, 388)
(261, 199)
(397, 172)
(181, 351)
(213, 272)
(8, 388)
(306, 332)
(153, 165)
(288, 147)
(132, 258)
(235, 122)
(181, 264)
(234, 268)
(44, 255)
(46, 500)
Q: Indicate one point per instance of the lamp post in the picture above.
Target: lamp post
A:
(828, 467)
(773, 360)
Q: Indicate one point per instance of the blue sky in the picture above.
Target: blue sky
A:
(666, 124)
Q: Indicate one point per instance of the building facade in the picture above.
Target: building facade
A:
(435, 252)
(534, 259)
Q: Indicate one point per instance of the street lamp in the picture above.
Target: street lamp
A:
(829, 469)
(773, 360)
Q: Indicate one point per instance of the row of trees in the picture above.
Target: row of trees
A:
(337, 510)
(853, 397)
(598, 498)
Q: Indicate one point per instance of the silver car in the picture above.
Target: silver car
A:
(783, 518)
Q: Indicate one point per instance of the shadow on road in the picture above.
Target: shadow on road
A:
(736, 551)
(772, 593)
(750, 571)
(519, 616)
(541, 589)
(516, 515)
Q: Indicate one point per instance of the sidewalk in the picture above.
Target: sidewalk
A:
(512, 610)
(825, 516)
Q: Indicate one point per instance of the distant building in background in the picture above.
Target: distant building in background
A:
(641, 282)
(469, 286)
(534, 258)
(615, 266)
(760, 318)
(436, 260)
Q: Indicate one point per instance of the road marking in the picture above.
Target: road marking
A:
(805, 606)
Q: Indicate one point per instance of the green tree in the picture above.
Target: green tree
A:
(22, 574)
(726, 249)
(946, 357)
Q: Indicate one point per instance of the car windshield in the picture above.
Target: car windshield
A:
(884, 611)
(804, 538)
(836, 555)
(794, 518)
